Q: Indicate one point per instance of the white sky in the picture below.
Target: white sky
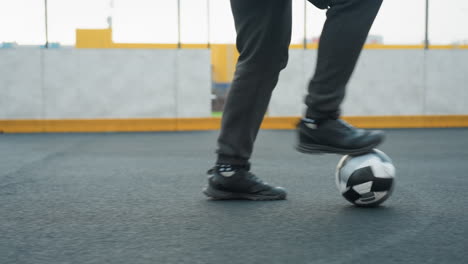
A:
(155, 21)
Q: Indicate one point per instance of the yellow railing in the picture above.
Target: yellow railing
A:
(211, 123)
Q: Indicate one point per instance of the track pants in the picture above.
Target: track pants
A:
(263, 36)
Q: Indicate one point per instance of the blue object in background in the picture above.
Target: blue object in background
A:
(8, 45)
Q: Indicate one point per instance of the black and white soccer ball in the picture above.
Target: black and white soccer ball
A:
(366, 180)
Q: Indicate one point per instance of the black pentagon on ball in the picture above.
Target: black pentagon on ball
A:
(360, 176)
(364, 175)
(351, 195)
(381, 184)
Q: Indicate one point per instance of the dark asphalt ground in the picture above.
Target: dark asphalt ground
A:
(136, 198)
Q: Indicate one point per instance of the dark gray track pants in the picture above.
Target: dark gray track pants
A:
(263, 36)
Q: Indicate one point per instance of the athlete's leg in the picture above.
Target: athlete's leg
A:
(343, 36)
(263, 37)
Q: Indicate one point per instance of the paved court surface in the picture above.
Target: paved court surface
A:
(136, 198)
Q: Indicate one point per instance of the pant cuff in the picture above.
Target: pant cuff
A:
(233, 160)
(320, 115)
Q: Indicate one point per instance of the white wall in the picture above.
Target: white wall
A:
(122, 83)
(20, 84)
(447, 82)
(385, 82)
(97, 83)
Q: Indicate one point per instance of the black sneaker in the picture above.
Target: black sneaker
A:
(237, 183)
(336, 136)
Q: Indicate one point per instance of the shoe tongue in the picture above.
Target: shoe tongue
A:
(345, 125)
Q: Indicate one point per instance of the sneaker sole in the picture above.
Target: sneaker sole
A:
(322, 149)
(222, 195)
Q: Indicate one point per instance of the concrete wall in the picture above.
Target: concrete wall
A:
(386, 82)
(20, 84)
(113, 83)
(124, 83)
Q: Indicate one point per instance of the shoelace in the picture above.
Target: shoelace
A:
(253, 177)
(346, 125)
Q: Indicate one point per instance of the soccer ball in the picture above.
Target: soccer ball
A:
(366, 180)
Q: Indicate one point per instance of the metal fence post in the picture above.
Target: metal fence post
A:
(426, 33)
(46, 24)
(305, 25)
(179, 45)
